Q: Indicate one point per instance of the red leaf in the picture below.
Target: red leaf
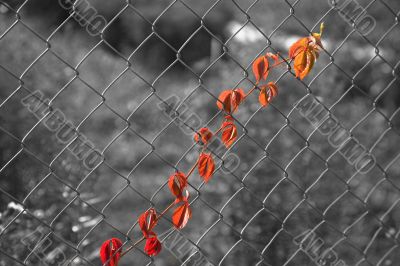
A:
(229, 133)
(261, 68)
(147, 221)
(206, 166)
(177, 182)
(230, 100)
(153, 246)
(110, 252)
(181, 215)
(204, 134)
(267, 92)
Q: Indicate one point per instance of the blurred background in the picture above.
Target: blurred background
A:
(113, 87)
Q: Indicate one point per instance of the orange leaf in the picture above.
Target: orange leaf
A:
(229, 133)
(261, 68)
(297, 47)
(177, 182)
(303, 63)
(206, 166)
(305, 52)
(274, 57)
(204, 134)
(263, 98)
(147, 221)
(230, 100)
(181, 215)
(267, 92)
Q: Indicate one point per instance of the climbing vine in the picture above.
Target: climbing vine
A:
(303, 53)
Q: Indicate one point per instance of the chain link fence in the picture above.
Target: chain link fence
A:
(100, 102)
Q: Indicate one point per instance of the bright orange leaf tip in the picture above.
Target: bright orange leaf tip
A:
(229, 100)
(183, 213)
(147, 221)
(204, 134)
(110, 252)
(206, 166)
(177, 183)
(229, 131)
(267, 92)
(305, 52)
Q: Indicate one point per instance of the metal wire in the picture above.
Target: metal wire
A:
(257, 251)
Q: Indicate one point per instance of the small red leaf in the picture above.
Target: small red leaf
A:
(110, 252)
(153, 246)
(147, 221)
(206, 166)
(181, 215)
(261, 68)
(229, 133)
(177, 182)
(230, 100)
(204, 135)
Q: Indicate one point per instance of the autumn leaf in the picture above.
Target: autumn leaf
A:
(261, 68)
(297, 47)
(204, 135)
(206, 166)
(305, 52)
(303, 63)
(230, 100)
(181, 215)
(274, 57)
(110, 252)
(147, 221)
(177, 182)
(229, 132)
(267, 92)
(153, 246)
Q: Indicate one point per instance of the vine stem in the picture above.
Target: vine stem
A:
(269, 68)
(196, 164)
(165, 210)
(131, 247)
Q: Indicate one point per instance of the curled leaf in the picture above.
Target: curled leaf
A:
(206, 166)
(110, 252)
(147, 221)
(230, 100)
(303, 63)
(204, 135)
(305, 52)
(274, 57)
(267, 92)
(177, 183)
(261, 68)
(181, 215)
(153, 246)
(229, 132)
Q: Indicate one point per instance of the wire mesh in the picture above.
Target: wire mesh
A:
(292, 199)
